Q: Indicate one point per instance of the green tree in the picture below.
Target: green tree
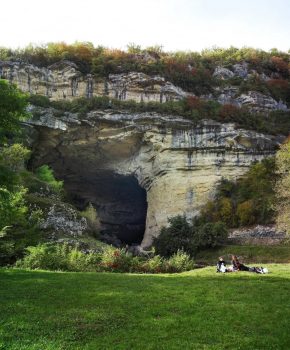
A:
(13, 105)
(283, 187)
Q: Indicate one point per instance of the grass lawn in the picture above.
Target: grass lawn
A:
(249, 254)
(199, 309)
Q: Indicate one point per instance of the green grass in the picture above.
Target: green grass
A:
(194, 310)
(249, 254)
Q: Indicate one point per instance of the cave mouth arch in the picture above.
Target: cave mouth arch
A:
(120, 201)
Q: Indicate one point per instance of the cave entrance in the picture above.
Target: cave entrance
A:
(120, 201)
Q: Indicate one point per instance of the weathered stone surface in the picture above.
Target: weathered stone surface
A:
(241, 69)
(258, 235)
(176, 162)
(259, 102)
(223, 73)
(63, 219)
(142, 88)
(63, 80)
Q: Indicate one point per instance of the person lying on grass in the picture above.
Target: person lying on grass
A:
(237, 266)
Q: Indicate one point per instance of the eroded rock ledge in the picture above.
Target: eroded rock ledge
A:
(63, 80)
(175, 161)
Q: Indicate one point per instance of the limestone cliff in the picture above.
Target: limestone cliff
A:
(63, 80)
(138, 169)
(104, 156)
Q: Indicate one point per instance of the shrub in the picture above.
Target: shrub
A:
(245, 213)
(116, 260)
(210, 234)
(46, 257)
(14, 157)
(45, 173)
(178, 262)
(154, 265)
(247, 201)
(66, 258)
(190, 238)
(91, 215)
(177, 236)
(59, 257)
(39, 100)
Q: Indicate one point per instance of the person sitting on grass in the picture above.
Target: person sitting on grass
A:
(237, 266)
(221, 265)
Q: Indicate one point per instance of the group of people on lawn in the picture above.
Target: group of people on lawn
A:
(237, 266)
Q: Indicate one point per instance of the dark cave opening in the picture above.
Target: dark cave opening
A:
(120, 201)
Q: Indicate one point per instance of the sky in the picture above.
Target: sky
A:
(174, 24)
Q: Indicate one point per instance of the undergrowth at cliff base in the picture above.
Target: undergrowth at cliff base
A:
(199, 309)
(62, 257)
(250, 200)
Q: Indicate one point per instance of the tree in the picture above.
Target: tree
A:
(13, 105)
(283, 187)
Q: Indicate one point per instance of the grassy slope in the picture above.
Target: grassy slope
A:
(195, 310)
(249, 254)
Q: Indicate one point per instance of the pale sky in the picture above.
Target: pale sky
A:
(174, 24)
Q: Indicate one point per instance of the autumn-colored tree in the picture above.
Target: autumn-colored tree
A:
(229, 112)
(280, 65)
(245, 213)
(193, 102)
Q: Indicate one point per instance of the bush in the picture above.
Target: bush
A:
(93, 220)
(249, 200)
(211, 234)
(66, 258)
(58, 257)
(154, 265)
(190, 238)
(177, 236)
(39, 100)
(116, 260)
(178, 262)
(45, 173)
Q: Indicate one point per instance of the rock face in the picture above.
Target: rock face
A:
(140, 169)
(259, 102)
(137, 169)
(62, 218)
(267, 235)
(63, 80)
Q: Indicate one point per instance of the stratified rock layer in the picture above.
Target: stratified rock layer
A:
(63, 80)
(175, 161)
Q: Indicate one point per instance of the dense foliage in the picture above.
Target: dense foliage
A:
(13, 105)
(190, 237)
(249, 200)
(65, 258)
(19, 221)
(283, 187)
